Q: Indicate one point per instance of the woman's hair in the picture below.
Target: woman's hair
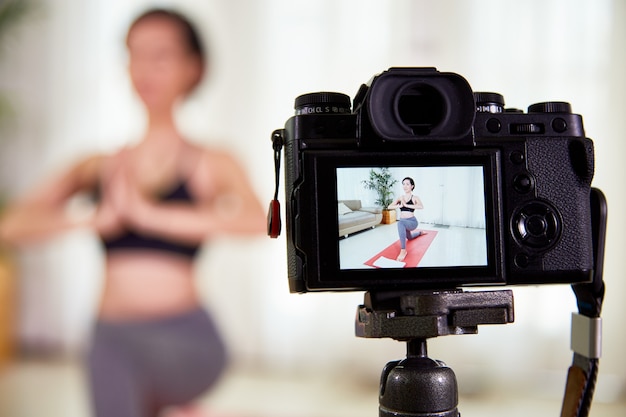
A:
(188, 31)
(411, 181)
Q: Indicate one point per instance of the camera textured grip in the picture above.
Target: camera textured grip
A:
(563, 172)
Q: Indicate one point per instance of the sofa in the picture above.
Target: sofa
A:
(354, 218)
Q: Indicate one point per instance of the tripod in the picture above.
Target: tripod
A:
(418, 385)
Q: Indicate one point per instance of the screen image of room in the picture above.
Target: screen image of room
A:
(451, 225)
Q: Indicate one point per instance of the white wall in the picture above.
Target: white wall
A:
(65, 72)
(452, 196)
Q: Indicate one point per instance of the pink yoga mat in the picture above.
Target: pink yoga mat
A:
(415, 249)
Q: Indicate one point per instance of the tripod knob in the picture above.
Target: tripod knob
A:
(418, 386)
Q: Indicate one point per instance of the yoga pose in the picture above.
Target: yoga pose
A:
(408, 203)
(153, 345)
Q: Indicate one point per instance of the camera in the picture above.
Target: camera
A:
(500, 196)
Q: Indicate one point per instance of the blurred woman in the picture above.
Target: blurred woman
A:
(153, 344)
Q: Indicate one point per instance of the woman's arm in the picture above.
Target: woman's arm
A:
(417, 203)
(226, 204)
(43, 212)
(395, 204)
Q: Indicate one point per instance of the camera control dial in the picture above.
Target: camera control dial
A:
(559, 125)
(536, 224)
(550, 107)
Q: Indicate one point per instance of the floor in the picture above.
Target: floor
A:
(453, 246)
(53, 388)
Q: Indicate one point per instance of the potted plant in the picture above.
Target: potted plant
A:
(381, 181)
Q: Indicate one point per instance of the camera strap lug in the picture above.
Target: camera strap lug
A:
(273, 215)
(586, 337)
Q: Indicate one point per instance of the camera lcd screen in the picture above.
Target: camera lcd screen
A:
(411, 217)
(453, 220)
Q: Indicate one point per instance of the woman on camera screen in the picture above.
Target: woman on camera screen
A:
(407, 203)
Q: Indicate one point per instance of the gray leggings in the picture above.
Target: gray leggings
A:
(405, 226)
(136, 369)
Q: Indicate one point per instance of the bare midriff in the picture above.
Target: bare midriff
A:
(147, 284)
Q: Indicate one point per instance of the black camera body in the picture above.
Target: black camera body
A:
(506, 194)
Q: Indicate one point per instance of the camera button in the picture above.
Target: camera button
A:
(559, 125)
(523, 183)
(517, 157)
(536, 225)
(521, 260)
(494, 125)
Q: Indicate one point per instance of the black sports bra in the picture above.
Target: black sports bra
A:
(403, 208)
(129, 240)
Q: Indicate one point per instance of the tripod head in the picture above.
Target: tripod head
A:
(419, 385)
(427, 314)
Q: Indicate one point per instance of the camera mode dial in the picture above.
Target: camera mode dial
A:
(322, 103)
(489, 102)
